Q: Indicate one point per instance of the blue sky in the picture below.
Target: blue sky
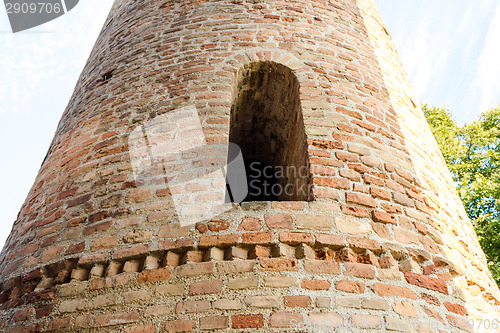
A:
(450, 49)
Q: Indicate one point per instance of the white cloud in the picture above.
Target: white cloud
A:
(486, 84)
(440, 43)
(38, 72)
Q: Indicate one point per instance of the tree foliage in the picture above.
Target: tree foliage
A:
(472, 153)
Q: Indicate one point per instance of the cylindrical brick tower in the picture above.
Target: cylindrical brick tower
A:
(378, 238)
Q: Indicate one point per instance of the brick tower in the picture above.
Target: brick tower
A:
(378, 238)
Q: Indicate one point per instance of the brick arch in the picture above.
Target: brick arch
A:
(238, 60)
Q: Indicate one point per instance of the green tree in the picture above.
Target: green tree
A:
(472, 153)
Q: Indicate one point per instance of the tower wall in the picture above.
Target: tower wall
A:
(385, 240)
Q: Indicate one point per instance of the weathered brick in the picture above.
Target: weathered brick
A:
(245, 283)
(380, 193)
(325, 254)
(119, 280)
(293, 205)
(355, 211)
(263, 301)
(116, 319)
(52, 253)
(433, 314)
(426, 282)
(103, 301)
(75, 248)
(227, 304)
(234, 252)
(58, 323)
(192, 256)
(259, 251)
(382, 230)
(345, 255)
(350, 286)
(297, 301)
(192, 306)
(405, 309)
(323, 302)
(405, 236)
(347, 301)
(283, 250)
(360, 270)
(360, 199)
(375, 304)
(218, 241)
(383, 217)
(352, 226)
(390, 290)
(366, 321)
(236, 266)
(178, 326)
(333, 319)
(176, 245)
(44, 311)
(173, 230)
(214, 323)
(279, 264)
(315, 284)
(35, 274)
(205, 287)
(170, 289)
(141, 329)
(410, 266)
(138, 236)
(295, 238)
(138, 195)
(160, 274)
(23, 315)
(72, 305)
(262, 238)
(337, 183)
(347, 157)
(280, 281)
(217, 225)
(402, 199)
(304, 251)
(136, 296)
(333, 241)
(361, 244)
(322, 266)
(456, 308)
(313, 222)
(278, 221)
(195, 269)
(249, 223)
(84, 320)
(247, 321)
(132, 251)
(285, 319)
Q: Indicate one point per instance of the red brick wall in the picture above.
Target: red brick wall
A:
(386, 238)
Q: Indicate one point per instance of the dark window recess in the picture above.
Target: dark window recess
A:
(107, 76)
(267, 125)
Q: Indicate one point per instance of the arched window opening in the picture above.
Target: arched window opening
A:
(267, 124)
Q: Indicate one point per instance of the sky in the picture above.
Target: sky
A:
(450, 49)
